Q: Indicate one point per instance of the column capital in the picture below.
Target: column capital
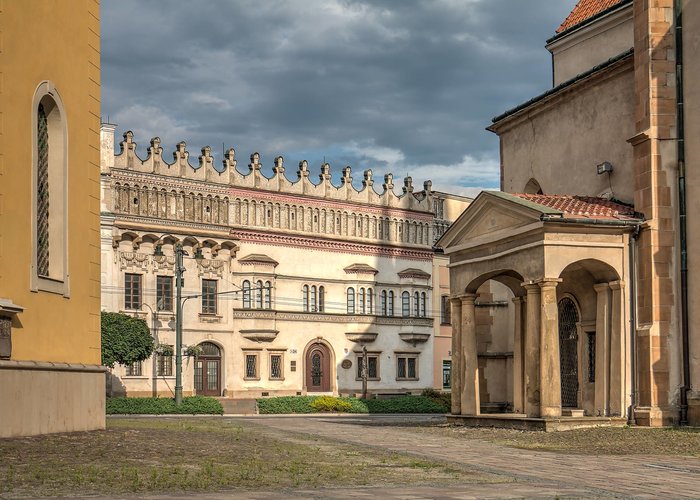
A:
(601, 287)
(549, 282)
(517, 300)
(617, 285)
(531, 287)
(468, 298)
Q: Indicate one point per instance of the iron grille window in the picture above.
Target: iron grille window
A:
(372, 364)
(406, 368)
(209, 296)
(164, 293)
(275, 366)
(132, 291)
(42, 212)
(251, 366)
(591, 357)
(351, 301)
(164, 365)
(445, 318)
(133, 370)
(405, 304)
(246, 294)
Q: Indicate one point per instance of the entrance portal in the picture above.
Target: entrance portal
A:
(207, 372)
(318, 368)
(568, 352)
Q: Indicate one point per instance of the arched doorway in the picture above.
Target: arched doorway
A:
(568, 352)
(318, 368)
(207, 373)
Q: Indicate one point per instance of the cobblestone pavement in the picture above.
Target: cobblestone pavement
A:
(537, 474)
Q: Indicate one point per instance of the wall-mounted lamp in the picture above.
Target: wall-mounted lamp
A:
(605, 167)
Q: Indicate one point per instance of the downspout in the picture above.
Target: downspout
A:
(633, 323)
(680, 122)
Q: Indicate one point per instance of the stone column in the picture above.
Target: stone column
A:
(470, 375)
(457, 365)
(518, 377)
(550, 370)
(617, 349)
(532, 351)
(602, 342)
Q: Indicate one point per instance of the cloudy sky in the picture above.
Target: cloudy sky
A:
(396, 86)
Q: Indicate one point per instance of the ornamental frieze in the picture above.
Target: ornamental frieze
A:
(330, 318)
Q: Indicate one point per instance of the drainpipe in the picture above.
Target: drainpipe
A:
(633, 323)
(680, 122)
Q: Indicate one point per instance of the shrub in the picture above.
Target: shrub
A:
(125, 339)
(441, 398)
(330, 403)
(286, 404)
(163, 406)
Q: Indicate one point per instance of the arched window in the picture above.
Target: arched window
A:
(312, 299)
(305, 298)
(246, 295)
(422, 304)
(321, 299)
(351, 301)
(370, 301)
(390, 307)
(362, 301)
(49, 192)
(405, 304)
(382, 303)
(259, 294)
(416, 304)
(268, 295)
(532, 187)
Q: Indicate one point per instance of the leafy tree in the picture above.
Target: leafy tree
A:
(125, 339)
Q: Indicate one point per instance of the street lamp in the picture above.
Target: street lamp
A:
(179, 270)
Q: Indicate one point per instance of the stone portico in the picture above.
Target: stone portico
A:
(566, 262)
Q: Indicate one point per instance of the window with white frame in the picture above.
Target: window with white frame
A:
(382, 303)
(267, 294)
(247, 303)
(405, 304)
(132, 291)
(164, 293)
(313, 298)
(422, 305)
(406, 366)
(209, 296)
(361, 300)
(164, 363)
(370, 301)
(390, 306)
(416, 304)
(351, 301)
(259, 294)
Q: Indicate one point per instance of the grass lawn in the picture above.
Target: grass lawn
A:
(162, 455)
(595, 441)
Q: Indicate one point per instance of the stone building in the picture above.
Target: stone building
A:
(594, 232)
(50, 374)
(285, 281)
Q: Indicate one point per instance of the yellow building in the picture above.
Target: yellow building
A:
(50, 374)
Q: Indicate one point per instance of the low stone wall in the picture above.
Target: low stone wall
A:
(43, 398)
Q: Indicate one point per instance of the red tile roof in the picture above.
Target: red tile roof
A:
(586, 9)
(582, 206)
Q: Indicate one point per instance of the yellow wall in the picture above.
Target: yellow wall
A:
(56, 40)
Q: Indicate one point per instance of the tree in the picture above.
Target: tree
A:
(125, 340)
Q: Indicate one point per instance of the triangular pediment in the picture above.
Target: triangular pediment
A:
(491, 215)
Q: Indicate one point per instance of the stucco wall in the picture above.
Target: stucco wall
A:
(560, 142)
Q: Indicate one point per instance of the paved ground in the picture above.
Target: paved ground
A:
(536, 474)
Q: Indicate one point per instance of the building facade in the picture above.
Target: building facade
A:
(595, 230)
(285, 282)
(50, 374)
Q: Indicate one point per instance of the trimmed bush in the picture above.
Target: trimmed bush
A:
(310, 404)
(193, 405)
(330, 403)
(441, 398)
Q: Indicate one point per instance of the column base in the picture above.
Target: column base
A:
(655, 416)
(550, 411)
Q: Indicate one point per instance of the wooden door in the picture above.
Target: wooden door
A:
(318, 369)
(207, 374)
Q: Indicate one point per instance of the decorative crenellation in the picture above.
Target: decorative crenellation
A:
(127, 159)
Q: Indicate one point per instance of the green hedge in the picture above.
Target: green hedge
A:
(303, 404)
(162, 406)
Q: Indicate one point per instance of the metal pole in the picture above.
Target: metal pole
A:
(178, 324)
(365, 372)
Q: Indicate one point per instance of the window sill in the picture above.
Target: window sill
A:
(251, 379)
(210, 318)
(407, 379)
(276, 379)
(136, 377)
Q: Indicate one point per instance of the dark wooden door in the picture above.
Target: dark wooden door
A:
(207, 374)
(318, 369)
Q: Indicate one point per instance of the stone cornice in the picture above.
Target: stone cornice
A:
(330, 318)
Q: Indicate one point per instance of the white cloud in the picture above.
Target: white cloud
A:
(150, 121)
(373, 152)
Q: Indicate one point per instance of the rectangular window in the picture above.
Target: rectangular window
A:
(133, 370)
(445, 310)
(164, 293)
(132, 291)
(209, 296)
(251, 366)
(372, 367)
(276, 367)
(446, 374)
(390, 309)
(164, 365)
(407, 367)
(591, 357)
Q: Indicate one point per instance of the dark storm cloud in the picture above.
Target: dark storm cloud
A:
(403, 86)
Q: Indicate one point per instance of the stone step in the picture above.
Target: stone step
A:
(239, 406)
